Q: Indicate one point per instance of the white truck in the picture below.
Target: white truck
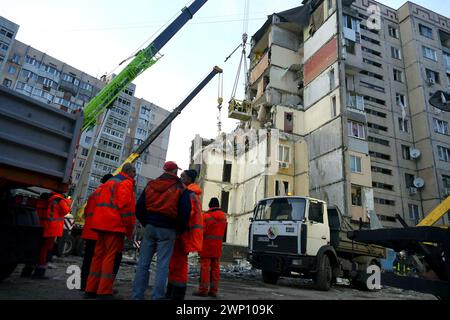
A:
(301, 237)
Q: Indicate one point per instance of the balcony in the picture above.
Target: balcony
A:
(259, 68)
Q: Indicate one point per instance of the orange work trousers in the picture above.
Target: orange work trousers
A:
(178, 267)
(47, 245)
(209, 275)
(101, 275)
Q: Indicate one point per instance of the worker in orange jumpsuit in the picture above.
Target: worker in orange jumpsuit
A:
(89, 236)
(52, 221)
(188, 240)
(113, 219)
(215, 228)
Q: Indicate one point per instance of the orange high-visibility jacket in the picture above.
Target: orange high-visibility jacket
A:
(57, 208)
(162, 195)
(192, 238)
(41, 211)
(114, 210)
(88, 233)
(215, 227)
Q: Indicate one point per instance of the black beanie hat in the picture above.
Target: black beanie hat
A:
(214, 203)
(191, 174)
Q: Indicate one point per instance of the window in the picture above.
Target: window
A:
(409, 180)
(81, 163)
(444, 154)
(446, 182)
(4, 46)
(380, 155)
(85, 152)
(429, 53)
(372, 63)
(406, 152)
(393, 32)
(288, 122)
(281, 188)
(384, 186)
(400, 100)
(432, 76)
(330, 4)
(377, 127)
(226, 174)
(365, 38)
(398, 75)
(333, 107)
(332, 79)
(413, 212)
(77, 176)
(440, 126)
(372, 99)
(372, 74)
(12, 70)
(7, 83)
(385, 202)
(47, 82)
(316, 211)
(6, 32)
(16, 58)
(350, 46)
(280, 209)
(88, 139)
(355, 101)
(355, 164)
(403, 124)
(356, 196)
(379, 141)
(350, 23)
(372, 86)
(376, 113)
(374, 52)
(396, 53)
(356, 129)
(382, 170)
(426, 31)
(284, 154)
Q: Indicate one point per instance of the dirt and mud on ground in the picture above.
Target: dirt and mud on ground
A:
(238, 282)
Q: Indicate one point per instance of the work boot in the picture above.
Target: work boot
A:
(169, 291)
(39, 274)
(27, 272)
(178, 293)
(200, 294)
(89, 295)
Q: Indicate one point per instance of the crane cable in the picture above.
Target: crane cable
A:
(243, 60)
(219, 104)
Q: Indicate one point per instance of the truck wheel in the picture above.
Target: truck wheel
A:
(270, 277)
(6, 270)
(324, 275)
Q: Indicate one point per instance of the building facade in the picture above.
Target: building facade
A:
(102, 148)
(345, 87)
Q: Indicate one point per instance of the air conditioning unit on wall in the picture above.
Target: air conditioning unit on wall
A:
(283, 165)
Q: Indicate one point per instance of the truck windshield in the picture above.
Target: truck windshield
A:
(281, 209)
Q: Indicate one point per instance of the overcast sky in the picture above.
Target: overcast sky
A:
(96, 35)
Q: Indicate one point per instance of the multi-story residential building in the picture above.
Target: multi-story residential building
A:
(47, 79)
(8, 31)
(345, 86)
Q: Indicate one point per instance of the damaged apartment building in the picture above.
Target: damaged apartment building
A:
(338, 94)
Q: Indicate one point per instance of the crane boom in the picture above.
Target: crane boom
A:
(166, 122)
(142, 61)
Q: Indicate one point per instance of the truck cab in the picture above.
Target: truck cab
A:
(300, 236)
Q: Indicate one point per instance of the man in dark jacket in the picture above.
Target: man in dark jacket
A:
(163, 207)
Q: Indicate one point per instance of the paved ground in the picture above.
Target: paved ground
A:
(239, 282)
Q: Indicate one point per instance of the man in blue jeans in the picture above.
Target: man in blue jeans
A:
(163, 209)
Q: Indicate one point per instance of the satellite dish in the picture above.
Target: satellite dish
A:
(419, 183)
(415, 153)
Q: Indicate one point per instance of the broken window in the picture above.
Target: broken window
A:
(288, 122)
(281, 188)
(356, 196)
(226, 175)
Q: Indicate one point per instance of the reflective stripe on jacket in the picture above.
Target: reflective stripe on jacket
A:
(162, 195)
(215, 223)
(192, 237)
(88, 233)
(115, 207)
(53, 220)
